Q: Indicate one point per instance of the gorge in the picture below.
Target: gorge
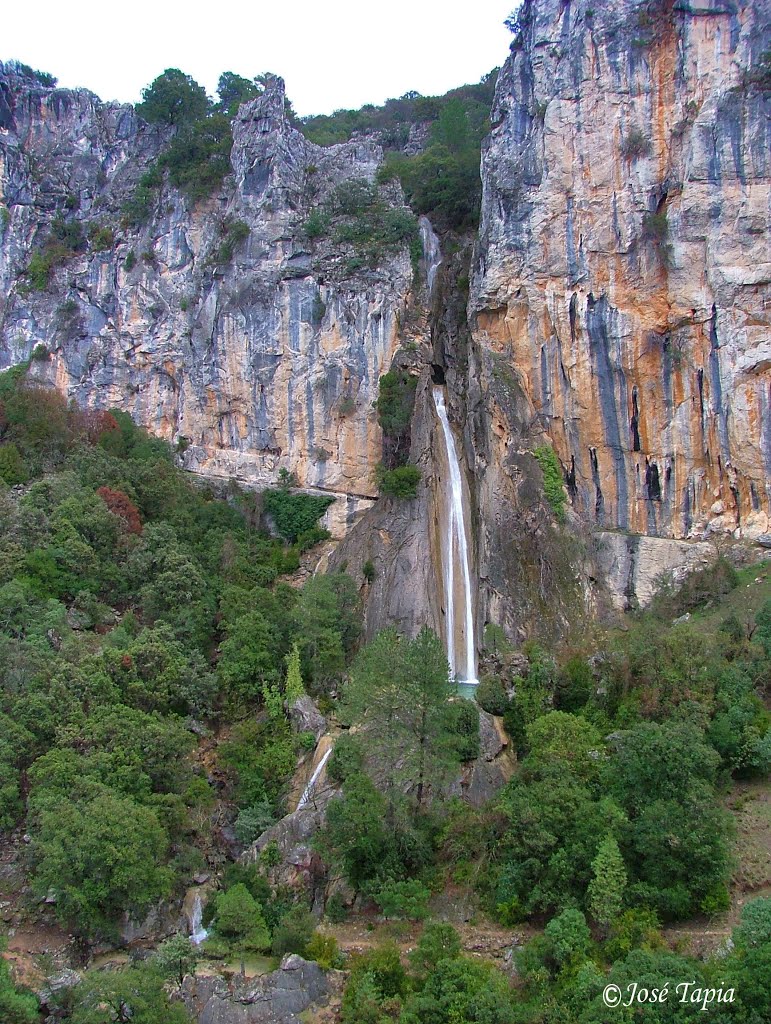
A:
(385, 506)
(586, 330)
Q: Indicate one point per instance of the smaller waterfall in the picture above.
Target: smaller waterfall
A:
(307, 793)
(432, 255)
(198, 933)
(461, 646)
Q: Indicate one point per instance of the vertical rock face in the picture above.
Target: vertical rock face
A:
(618, 306)
(265, 361)
(623, 265)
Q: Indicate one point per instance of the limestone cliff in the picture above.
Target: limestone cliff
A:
(615, 305)
(268, 360)
(623, 264)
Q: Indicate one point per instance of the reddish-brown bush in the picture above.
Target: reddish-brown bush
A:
(90, 424)
(121, 505)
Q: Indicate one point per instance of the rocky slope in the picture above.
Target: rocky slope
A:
(623, 266)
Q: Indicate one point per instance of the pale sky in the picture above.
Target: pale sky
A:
(332, 53)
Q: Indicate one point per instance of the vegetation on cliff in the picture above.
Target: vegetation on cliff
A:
(363, 226)
(441, 177)
(395, 402)
(197, 157)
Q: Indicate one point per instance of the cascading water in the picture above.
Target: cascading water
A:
(307, 793)
(461, 645)
(432, 255)
(198, 933)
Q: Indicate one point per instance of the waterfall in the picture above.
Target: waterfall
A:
(432, 256)
(198, 933)
(307, 793)
(461, 646)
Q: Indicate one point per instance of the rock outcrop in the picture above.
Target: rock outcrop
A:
(623, 268)
(281, 997)
(491, 770)
(267, 360)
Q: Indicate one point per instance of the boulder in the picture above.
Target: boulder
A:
(159, 923)
(276, 998)
(306, 717)
(481, 778)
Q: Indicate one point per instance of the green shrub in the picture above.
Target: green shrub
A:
(253, 821)
(754, 928)
(635, 145)
(346, 759)
(235, 232)
(138, 207)
(12, 468)
(130, 262)
(64, 241)
(317, 224)
(710, 583)
(239, 919)
(294, 932)
(491, 695)
(495, 639)
(324, 950)
(358, 216)
(395, 401)
(462, 720)
(174, 98)
(437, 942)
(38, 272)
(294, 514)
(368, 571)
(101, 237)
(573, 686)
(635, 929)
(336, 909)
(655, 227)
(568, 936)
(17, 1006)
(552, 480)
(176, 957)
(407, 899)
(198, 157)
(401, 483)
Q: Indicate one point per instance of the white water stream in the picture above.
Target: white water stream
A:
(307, 793)
(198, 933)
(432, 255)
(461, 646)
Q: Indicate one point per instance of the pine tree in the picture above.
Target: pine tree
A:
(606, 889)
(399, 693)
(293, 688)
